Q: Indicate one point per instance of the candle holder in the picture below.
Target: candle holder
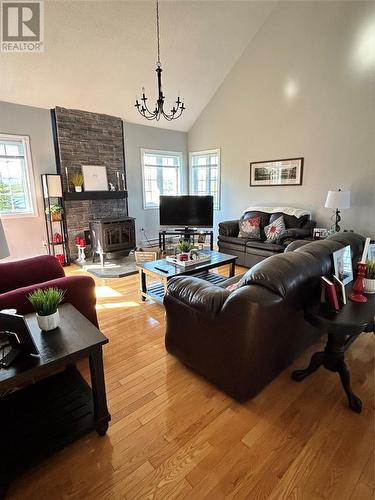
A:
(359, 286)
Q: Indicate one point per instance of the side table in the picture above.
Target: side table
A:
(342, 328)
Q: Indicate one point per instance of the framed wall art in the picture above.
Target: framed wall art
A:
(95, 178)
(286, 172)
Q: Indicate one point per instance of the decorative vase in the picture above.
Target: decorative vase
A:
(78, 189)
(47, 323)
(184, 256)
(369, 285)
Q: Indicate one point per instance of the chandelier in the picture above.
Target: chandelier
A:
(158, 112)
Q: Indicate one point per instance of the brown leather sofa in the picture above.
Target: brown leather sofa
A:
(243, 339)
(250, 251)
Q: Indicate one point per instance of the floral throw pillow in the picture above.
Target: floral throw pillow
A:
(274, 230)
(250, 228)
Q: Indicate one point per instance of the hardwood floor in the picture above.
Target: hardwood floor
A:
(173, 435)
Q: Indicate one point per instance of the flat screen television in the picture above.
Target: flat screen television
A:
(186, 211)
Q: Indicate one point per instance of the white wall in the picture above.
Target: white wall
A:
(303, 87)
(141, 136)
(25, 235)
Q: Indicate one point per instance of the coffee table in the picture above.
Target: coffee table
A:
(59, 407)
(162, 271)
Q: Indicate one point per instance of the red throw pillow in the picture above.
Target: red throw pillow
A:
(274, 230)
(250, 228)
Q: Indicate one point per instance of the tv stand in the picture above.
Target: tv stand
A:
(188, 233)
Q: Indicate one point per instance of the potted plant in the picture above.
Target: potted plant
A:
(77, 180)
(369, 280)
(56, 212)
(184, 246)
(46, 302)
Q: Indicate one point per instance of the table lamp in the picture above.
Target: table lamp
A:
(337, 199)
(4, 250)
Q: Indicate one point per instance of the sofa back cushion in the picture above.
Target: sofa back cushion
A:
(21, 273)
(290, 220)
(295, 276)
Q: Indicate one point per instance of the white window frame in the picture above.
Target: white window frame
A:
(30, 179)
(179, 172)
(202, 153)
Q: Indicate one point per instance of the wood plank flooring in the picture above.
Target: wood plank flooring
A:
(174, 436)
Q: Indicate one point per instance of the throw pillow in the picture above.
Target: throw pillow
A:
(250, 228)
(275, 229)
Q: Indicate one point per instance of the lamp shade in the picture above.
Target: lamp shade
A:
(4, 250)
(338, 199)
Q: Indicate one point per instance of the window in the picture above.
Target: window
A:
(17, 195)
(161, 175)
(205, 174)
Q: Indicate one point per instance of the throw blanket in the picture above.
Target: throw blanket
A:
(297, 212)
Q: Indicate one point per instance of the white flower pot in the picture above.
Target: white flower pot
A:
(78, 189)
(47, 323)
(369, 285)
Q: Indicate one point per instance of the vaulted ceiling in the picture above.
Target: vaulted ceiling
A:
(98, 55)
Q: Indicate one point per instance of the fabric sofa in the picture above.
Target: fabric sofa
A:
(251, 251)
(240, 340)
(19, 278)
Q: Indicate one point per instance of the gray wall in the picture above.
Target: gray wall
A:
(25, 235)
(303, 87)
(141, 136)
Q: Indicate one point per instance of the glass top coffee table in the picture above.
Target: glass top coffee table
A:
(162, 271)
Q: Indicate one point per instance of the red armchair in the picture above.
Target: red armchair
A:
(19, 278)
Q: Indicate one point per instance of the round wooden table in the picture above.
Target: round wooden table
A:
(342, 329)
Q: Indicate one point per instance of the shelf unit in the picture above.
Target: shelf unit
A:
(52, 194)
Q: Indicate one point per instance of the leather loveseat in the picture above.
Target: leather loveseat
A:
(250, 251)
(240, 340)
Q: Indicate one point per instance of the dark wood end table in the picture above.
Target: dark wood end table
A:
(54, 404)
(343, 328)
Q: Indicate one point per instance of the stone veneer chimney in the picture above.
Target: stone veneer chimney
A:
(83, 138)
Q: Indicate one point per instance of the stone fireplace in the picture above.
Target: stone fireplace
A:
(83, 138)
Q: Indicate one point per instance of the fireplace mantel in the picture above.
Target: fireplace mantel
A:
(95, 195)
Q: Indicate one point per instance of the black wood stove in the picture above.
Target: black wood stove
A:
(112, 235)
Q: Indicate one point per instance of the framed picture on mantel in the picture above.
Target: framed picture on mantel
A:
(286, 172)
(95, 178)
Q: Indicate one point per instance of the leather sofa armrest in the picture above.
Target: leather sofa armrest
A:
(294, 233)
(197, 293)
(229, 228)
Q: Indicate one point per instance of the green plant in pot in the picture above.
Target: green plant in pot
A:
(184, 247)
(77, 180)
(56, 211)
(46, 302)
(369, 280)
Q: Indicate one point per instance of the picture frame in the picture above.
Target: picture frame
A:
(285, 172)
(320, 233)
(95, 177)
(342, 262)
(371, 252)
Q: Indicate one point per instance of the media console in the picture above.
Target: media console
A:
(187, 233)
